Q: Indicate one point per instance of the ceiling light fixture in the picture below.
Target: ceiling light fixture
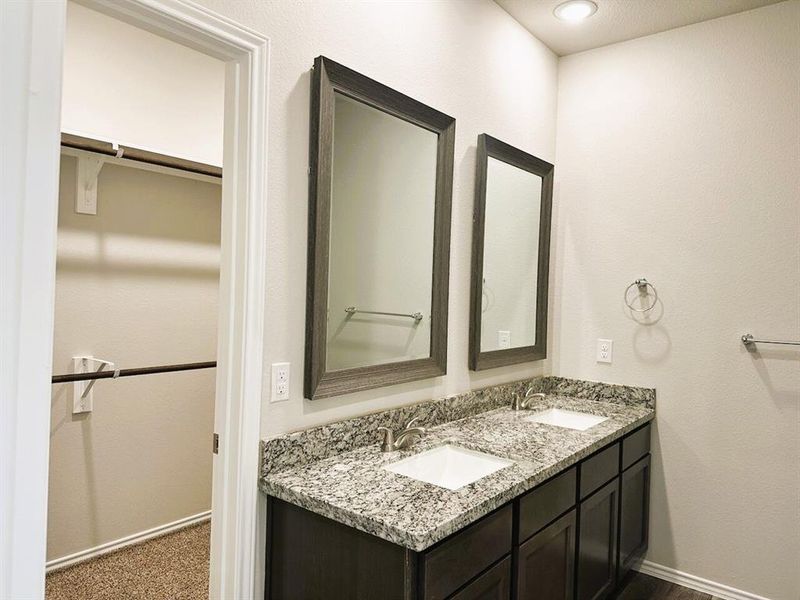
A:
(575, 10)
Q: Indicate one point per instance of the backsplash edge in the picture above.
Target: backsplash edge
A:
(323, 441)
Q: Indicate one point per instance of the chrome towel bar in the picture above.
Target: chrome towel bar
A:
(748, 340)
(351, 310)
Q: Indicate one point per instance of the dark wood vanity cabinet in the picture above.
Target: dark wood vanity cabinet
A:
(573, 537)
(312, 557)
(597, 543)
(453, 562)
(545, 563)
(495, 584)
(634, 513)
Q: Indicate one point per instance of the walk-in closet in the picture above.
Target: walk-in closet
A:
(136, 315)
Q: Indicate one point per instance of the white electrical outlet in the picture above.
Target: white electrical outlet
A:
(503, 339)
(82, 401)
(605, 350)
(280, 382)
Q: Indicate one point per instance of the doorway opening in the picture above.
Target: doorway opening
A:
(155, 250)
(136, 307)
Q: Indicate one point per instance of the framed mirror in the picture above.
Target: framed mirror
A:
(510, 256)
(380, 187)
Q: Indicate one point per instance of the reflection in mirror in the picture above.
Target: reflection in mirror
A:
(381, 238)
(510, 256)
(380, 185)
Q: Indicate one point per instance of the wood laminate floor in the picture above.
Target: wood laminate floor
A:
(643, 587)
(175, 566)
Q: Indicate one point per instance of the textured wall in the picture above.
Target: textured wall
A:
(677, 159)
(135, 284)
(125, 85)
(467, 59)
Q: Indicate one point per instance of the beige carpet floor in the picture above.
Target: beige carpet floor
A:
(174, 566)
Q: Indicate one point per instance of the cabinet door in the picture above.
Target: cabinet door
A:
(545, 565)
(495, 584)
(597, 543)
(634, 513)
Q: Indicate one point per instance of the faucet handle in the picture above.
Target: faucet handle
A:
(518, 403)
(411, 422)
(530, 396)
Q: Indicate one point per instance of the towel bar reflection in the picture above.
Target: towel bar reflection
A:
(749, 340)
(351, 310)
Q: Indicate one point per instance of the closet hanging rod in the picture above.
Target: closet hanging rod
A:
(78, 142)
(70, 377)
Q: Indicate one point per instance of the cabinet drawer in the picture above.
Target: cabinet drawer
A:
(598, 469)
(458, 559)
(495, 584)
(543, 504)
(635, 446)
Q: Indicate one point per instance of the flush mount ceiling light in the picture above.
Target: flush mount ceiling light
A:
(575, 10)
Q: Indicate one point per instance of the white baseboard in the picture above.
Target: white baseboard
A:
(136, 538)
(696, 583)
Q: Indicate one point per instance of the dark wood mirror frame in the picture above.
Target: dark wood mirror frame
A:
(327, 78)
(489, 146)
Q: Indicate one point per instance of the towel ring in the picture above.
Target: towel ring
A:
(642, 284)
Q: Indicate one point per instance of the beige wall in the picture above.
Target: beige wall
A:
(678, 160)
(135, 284)
(126, 85)
(467, 59)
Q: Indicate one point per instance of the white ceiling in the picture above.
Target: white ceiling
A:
(617, 20)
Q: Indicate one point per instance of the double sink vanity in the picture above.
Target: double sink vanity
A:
(546, 502)
(535, 489)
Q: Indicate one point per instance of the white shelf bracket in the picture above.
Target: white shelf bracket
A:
(89, 167)
(82, 397)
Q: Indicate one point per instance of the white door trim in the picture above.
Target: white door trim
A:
(31, 41)
(235, 500)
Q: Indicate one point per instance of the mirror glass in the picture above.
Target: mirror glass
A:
(382, 203)
(510, 257)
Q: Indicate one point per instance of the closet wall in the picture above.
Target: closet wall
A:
(125, 85)
(136, 284)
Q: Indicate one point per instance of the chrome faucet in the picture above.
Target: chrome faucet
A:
(405, 439)
(525, 403)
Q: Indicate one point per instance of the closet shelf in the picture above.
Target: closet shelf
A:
(78, 142)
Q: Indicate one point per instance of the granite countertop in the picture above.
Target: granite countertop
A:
(353, 489)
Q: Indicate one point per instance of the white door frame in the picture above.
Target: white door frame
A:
(30, 200)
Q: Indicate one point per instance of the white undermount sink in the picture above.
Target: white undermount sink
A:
(568, 419)
(449, 466)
